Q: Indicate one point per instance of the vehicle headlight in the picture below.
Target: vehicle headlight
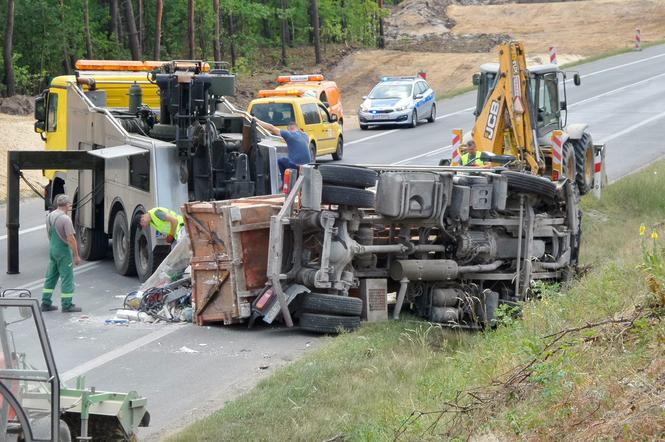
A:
(401, 108)
(364, 107)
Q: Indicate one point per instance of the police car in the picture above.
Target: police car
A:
(398, 100)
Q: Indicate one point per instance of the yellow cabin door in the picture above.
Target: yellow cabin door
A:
(327, 137)
(56, 123)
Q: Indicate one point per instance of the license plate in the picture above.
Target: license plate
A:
(381, 117)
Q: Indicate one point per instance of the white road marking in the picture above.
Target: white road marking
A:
(77, 270)
(455, 113)
(633, 127)
(117, 353)
(24, 231)
(619, 89)
(591, 74)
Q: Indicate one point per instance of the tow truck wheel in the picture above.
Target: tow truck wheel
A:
(123, 245)
(432, 115)
(146, 257)
(339, 152)
(414, 119)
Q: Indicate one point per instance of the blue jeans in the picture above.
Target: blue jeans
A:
(285, 163)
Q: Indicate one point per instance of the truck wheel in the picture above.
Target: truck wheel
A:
(347, 196)
(146, 257)
(523, 182)
(312, 152)
(432, 115)
(331, 304)
(123, 245)
(585, 163)
(93, 243)
(352, 176)
(328, 323)
(339, 152)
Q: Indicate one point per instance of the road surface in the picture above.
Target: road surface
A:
(187, 371)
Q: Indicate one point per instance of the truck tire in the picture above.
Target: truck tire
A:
(93, 243)
(351, 176)
(123, 245)
(523, 182)
(146, 257)
(328, 323)
(64, 435)
(585, 163)
(339, 152)
(347, 196)
(331, 304)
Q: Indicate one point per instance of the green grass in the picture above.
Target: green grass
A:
(362, 386)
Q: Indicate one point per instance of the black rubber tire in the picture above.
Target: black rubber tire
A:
(92, 243)
(146, 257)
(328, 323)
(331, 304)
(523, 182)
(64, 435)
(123, 245)
(432, 115)
(584, 162)
(569, 163)
(347, 196)
(339, 152)
(414, 119)
(312, 152)
(351, 176)
(364, 127)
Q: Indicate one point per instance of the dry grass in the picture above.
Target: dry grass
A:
(18, 134)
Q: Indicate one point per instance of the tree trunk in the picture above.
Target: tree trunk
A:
(7, 54)
(344, 22)
(285, 31)
(232, 31)
(86, 25)
(133, 33)
(141, 27)
(192, 42)
(314, 7)
(159, 9)
(115, 22)
(217, 44)
(382, 39)
(65, 41)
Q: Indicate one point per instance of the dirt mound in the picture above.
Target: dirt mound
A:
(424, 25)
(17, 105)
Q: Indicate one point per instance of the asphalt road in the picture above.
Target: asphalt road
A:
(187, 371)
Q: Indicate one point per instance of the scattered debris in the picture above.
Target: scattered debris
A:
(115, 321)
(185, 349)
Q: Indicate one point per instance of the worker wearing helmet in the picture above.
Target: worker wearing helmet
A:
(166, 222)
(297, 144)
(471, 157)
(63, 256)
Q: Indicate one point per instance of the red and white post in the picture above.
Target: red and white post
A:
(597, 173)
(553, 55)
(457, 144)
(557, 154)
(638, 39)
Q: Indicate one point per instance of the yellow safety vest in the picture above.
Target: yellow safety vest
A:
(164, 227)
(477, 162)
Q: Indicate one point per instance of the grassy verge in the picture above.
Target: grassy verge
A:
(416, 381)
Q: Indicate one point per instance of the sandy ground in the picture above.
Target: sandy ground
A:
(578, 30)
(17, 133)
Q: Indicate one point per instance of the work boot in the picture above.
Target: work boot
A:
(71, 308)
(49, 307)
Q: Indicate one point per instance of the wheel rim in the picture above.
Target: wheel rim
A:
(122, 244)
(312, 152)
(589, 166)
(414, 119)
(433, 113)
(81, 236)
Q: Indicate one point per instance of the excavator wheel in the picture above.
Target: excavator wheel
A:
(585, 165)
(569, 162)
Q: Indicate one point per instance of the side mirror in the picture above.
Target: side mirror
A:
(40, 127)
(40, 108)
(364, 97)
(576, 79)
(333, 118)
(563, 106)
(475, 79)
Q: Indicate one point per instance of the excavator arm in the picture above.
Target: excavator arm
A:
(505, 123)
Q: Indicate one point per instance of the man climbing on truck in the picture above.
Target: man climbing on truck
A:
(297, 143)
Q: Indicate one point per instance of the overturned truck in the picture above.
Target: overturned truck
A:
(454, 243)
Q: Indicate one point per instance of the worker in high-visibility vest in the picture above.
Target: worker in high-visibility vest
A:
(166, 222)
(471, 157)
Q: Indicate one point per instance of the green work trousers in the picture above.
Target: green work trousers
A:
(60, 265)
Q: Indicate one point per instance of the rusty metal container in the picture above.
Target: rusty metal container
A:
(229, 241)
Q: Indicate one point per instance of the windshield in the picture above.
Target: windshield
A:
(396, 91)
(277, 114)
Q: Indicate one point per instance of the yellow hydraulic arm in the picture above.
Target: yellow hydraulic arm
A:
(504, 126)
